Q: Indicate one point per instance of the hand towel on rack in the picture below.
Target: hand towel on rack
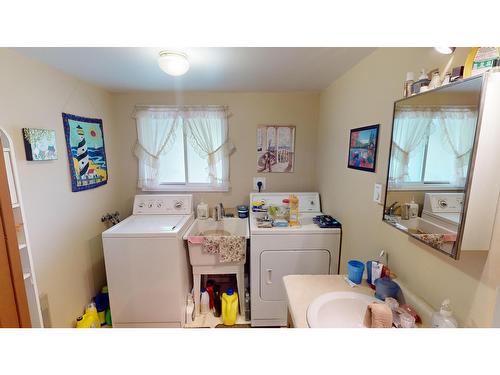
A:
(229, 248)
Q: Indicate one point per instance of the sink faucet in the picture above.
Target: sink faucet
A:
(218, 212)
(391, 209)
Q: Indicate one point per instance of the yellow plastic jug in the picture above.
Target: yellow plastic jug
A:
(294, 211)
(229, 307)
(87, 321)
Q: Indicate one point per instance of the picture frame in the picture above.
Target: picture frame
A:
(276, 148)
(39, 144)
(363, 145)
(86, 152)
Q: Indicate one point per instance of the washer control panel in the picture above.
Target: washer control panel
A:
(163, 204)
(444, 202)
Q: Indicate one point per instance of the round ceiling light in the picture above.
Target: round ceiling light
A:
(173, 63)
(445, 50)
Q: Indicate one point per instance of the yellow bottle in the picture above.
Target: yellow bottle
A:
(87, 321)
(294, 211)
(229, 307)
(92, 315)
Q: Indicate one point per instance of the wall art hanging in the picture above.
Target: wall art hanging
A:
(39, 144)
(275, 148)
(86, 153)
(363, 148)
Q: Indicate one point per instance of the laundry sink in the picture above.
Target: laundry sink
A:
(229, 226)
(339, 310)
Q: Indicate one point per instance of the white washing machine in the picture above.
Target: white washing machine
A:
(443, 209)
(277, 252)
(147, 265)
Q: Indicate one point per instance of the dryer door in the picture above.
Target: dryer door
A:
(274, 264)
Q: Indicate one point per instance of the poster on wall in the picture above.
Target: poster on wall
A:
(39, 144)
(363, 148)
(86, 153)
(275, 148)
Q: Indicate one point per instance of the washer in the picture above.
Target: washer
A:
(147, 264)
(277, 252)
(443, 209)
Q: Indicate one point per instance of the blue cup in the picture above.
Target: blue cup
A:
(355, 270)
(385, 287)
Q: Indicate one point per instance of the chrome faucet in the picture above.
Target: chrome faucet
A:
(218, 212)
(391, 209)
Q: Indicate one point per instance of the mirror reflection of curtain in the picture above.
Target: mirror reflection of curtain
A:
(458, 125)
(411, 128)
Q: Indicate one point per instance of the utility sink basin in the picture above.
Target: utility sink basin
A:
(339, 310)
(229, 226)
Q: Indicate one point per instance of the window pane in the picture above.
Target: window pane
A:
(172, 163)
(197, 167)
(415, 163)
(440, 166)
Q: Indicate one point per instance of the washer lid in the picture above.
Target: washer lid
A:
(148, 226)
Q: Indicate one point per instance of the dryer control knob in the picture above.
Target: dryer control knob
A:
(178, 204)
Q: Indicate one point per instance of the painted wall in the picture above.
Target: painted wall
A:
(64, 227)
(364, 96)
(248, 110)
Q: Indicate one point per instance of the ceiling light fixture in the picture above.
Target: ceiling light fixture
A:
(173, 63)
(445, 50)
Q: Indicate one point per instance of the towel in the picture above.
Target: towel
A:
(435, 239)
(378, 315)
(229, 248)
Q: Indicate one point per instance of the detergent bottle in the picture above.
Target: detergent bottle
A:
(229, 307)
(91, 316)
(293, 202)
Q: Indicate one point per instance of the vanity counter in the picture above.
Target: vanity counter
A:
(301, 290)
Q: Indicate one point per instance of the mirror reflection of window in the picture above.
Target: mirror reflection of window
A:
(432, 145)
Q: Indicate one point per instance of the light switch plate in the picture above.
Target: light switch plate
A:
(377, 193)
(261, 179)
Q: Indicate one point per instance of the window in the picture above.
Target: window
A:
(431, 147)
(183, 148)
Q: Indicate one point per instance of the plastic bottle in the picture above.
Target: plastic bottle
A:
(189, 309)
(229, 307)
(294, 210)
(204, 302)
(210, 290)
(217, 301)
(91, 313)
(444, 317)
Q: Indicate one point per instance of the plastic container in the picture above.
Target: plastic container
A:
(385, 287)
(202, 211)
(91, 311)
(109, 322)
(204, 302)
(210, 290)
(355, 270)
(229, 307)
(217, 301)
(87, 321)
(294, 211)
(242, 211)
(444, 317)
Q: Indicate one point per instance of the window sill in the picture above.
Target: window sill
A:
(425, 188)
(189, 188)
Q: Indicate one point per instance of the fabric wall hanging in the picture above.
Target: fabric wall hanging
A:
(40, 144)
(86, 153)
(275, 148)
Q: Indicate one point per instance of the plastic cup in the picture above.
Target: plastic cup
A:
(355, 270)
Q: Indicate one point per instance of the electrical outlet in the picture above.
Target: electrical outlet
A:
(259, 179)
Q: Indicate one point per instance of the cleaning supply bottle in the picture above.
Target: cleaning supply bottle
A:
(204, 301)
(294, 210)
(229, 307)
(444, 317)
(91, 312)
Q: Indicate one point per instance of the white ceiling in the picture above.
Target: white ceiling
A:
(212, 69)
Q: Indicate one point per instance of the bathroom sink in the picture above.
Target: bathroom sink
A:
(339, 310)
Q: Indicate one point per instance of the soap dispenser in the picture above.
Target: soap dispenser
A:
(444, 317)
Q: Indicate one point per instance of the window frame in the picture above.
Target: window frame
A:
(193, 186)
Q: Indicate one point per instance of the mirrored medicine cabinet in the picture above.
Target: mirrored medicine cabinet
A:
(443, 177)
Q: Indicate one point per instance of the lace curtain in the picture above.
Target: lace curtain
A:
(205, 128)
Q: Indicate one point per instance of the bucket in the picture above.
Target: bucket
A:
(355, 270)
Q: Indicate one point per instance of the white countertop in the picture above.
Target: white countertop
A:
(301, 290)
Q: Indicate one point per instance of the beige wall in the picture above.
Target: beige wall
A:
(364, 96)
(64, 227)
(248, 110)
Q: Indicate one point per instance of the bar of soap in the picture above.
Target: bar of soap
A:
(378, 315)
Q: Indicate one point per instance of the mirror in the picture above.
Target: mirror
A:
(433, 136)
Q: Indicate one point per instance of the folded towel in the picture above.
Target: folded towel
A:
(378, 315)
(229, 248)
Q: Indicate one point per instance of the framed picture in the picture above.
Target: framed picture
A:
(86, 153)
(275, 148)
(39, 144)
(363, 148)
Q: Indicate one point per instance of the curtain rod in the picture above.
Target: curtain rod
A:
(162, 106)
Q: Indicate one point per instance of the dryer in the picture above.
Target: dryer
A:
(147, 266)
(277, 252)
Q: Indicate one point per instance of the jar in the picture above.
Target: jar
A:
(242, 211)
